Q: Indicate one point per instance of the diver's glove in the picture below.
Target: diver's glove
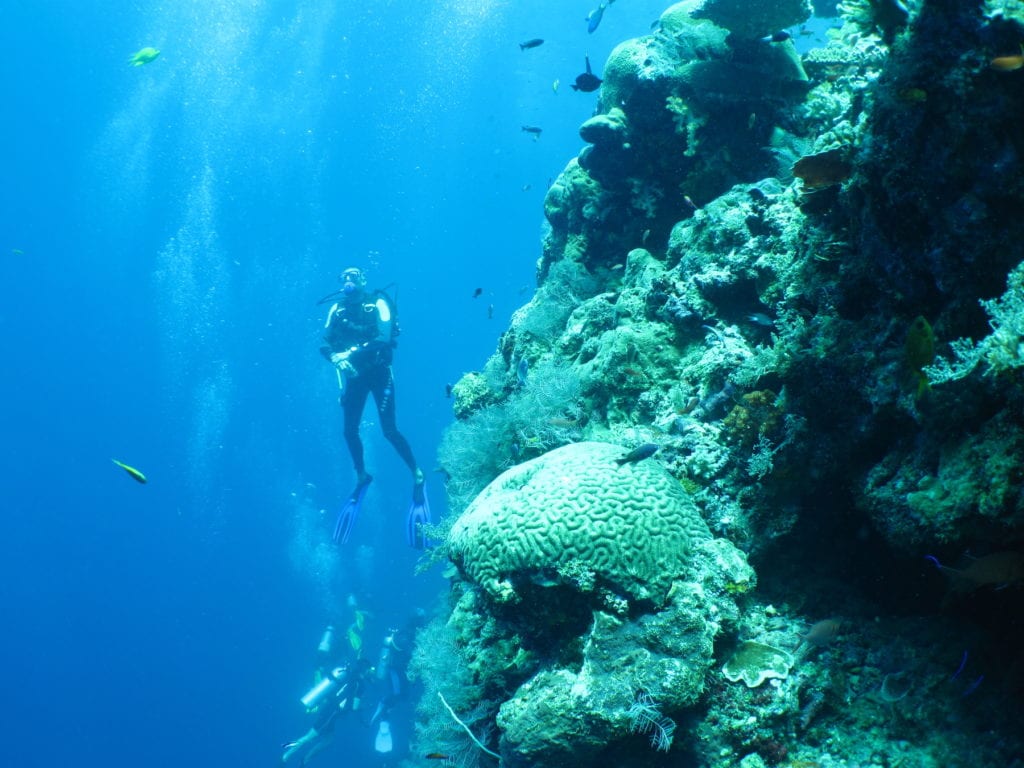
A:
(341, 362)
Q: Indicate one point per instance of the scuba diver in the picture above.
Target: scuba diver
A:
(390, 671)
(360, 335)
(392, 662)
(337, 692)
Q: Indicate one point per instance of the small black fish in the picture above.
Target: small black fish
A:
(640, 453)
(531, 43)
(533, 129)
(478, 292)
(448, 390)
(587, 81)
(777, 37)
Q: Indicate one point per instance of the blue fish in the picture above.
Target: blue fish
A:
(522, 371)
(594, 17)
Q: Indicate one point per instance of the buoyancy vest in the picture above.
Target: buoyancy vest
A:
(355, 325)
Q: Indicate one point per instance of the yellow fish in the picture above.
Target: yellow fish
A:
(1008, 63)
(138, 476)
(554, 85)
(143, 56)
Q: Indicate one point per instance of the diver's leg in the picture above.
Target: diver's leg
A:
(352, 406)
(292, 749)
(396, 682)
(318, 746)
(384, 395)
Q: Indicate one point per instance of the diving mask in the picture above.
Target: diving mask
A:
(352, 280)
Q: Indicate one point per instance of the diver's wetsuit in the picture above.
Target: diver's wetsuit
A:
(327, 713)
(354, 325)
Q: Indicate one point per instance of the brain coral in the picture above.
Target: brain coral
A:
(632, 525)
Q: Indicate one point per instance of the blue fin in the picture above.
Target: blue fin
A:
(382, 743)
(419, 515)
(350, 512)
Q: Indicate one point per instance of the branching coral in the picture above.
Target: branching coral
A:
(1002, 350)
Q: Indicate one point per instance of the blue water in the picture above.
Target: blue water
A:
(165, 233)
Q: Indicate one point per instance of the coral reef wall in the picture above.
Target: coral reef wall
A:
(801, 279)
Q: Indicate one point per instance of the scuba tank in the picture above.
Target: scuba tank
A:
(316, 695)
(384, 660)
(385, 322)
(326, 641)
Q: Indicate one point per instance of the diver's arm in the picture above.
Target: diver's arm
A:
(337, 349)
(342, 362)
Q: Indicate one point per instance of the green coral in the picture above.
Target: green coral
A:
(631, 524)
(754, 662)
(471, 393)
